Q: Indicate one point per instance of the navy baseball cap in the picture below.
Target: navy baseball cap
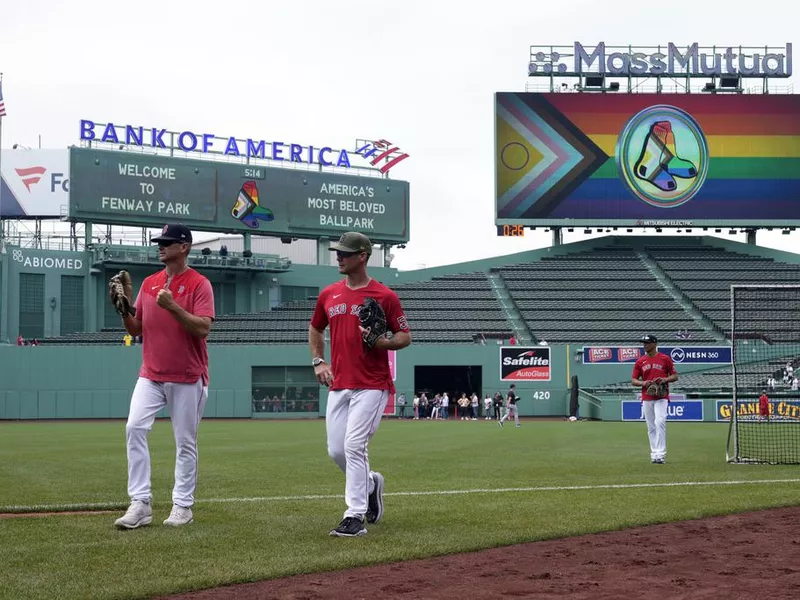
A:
(174, 232)
(649, 339)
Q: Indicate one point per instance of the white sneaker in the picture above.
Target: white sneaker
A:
(139, 514)
(179, 516)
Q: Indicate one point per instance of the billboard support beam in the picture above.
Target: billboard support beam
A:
(558, 237)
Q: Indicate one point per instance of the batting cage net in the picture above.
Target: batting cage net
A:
(765, 412)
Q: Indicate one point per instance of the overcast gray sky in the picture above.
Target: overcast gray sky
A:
(419, 73)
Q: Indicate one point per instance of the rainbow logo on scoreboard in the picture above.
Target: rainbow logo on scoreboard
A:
(647, 159)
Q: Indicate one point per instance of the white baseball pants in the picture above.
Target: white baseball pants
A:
(351, 419)
(655, 415)
(186, 402)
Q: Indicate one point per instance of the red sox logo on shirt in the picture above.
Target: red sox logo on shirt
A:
(337, 309)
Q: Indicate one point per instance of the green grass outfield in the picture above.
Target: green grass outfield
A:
(268, 494)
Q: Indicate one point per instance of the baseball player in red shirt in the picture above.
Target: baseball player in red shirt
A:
(174, 312)
(763, 406)
(654, 367)
(359, 380)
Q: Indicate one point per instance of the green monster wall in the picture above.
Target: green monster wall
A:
(95, 382)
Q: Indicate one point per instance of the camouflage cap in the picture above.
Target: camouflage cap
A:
(352, 241)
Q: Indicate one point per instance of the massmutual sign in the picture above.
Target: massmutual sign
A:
(670, 60)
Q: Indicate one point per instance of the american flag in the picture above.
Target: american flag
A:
(2, 104)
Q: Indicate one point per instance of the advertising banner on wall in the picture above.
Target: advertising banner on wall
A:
(678, 409)
(691, 355)
(34, 184)
(779, 410)
(525, 363)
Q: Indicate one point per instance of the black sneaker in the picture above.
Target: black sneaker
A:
(375, 510)
(350, 527)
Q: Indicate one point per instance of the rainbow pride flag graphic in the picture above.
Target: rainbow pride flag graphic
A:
(588, 158)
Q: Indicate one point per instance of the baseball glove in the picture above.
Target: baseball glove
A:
(657, 390)
(373, 320)
(120, 291)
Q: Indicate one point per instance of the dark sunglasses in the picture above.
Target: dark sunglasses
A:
(166, 243)
(341, 254)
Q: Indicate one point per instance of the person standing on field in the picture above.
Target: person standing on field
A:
(358, 378)
(173, 312)
(654, 368)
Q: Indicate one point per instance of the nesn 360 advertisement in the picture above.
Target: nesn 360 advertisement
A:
(647, 159)
(525, 363)
(694, 355)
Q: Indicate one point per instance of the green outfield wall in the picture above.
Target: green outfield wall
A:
(95, 382)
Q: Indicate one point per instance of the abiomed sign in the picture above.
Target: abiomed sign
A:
(46, 262)
(671, 60)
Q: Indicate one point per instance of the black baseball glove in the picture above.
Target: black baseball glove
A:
(120, 292)
(373, 320)
(657, 390)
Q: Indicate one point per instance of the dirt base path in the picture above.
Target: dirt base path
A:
(750, 555)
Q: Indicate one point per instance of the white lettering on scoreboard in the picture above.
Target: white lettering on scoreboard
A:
(336, 208)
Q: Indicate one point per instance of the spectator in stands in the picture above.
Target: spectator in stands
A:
(794, 384)
(512, 341)
(20, 341)
(127, 339)
(436, 405)
(463, 404)
(445, 406)
(487, 407)
(223, 251)
(498, 405)
(771, 383)
(423, 406)
(401, 403)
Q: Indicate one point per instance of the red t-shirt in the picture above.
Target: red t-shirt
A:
(169, 352)
(337, 306)
(652, 367)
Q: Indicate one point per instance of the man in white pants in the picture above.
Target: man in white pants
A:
(173, 314)
(654, 367)
(359, 379)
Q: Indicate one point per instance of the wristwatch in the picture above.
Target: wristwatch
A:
(317, 362)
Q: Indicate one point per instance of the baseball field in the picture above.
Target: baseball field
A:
(268, 494)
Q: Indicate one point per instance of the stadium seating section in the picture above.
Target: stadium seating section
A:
(606, 295)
